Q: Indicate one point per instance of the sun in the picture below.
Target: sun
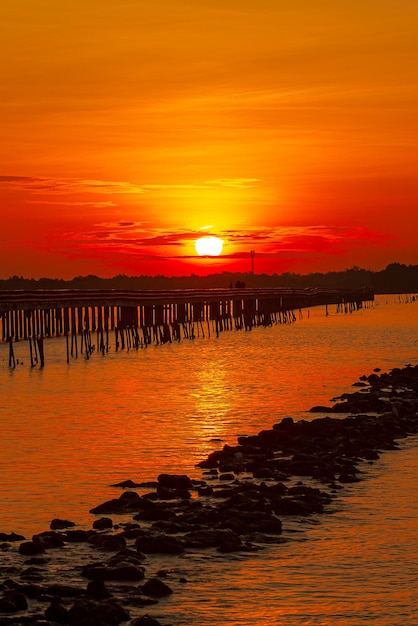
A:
(209, 246)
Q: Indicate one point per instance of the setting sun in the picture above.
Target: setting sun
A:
(209, 246)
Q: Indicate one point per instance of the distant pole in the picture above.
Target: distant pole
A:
(252, 254)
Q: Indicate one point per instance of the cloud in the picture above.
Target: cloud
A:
(79, 185)
(97, 205)
(233, 182)
(69, 185)
(14, 179)
(137, 240)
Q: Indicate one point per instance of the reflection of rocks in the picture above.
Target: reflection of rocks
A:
(246, 495)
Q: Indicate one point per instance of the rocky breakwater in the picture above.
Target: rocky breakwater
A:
(246, 496)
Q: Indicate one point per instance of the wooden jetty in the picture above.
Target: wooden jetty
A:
(139, 318)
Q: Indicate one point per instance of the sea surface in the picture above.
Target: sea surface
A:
(69, 431)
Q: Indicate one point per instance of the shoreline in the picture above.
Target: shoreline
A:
(241, 504)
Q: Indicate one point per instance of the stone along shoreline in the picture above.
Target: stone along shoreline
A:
(247, 495)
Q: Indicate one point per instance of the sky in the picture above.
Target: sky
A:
(131, 128)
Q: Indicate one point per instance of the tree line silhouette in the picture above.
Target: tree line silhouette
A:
(395, 278)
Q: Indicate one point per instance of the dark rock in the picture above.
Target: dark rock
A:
(30, 548)
(125, 571)
(17, 598)
(94, 571)
(31, 591)
(7, 606)
(132, 533)
(64, 591)
(159, 545)
(78, 536)
(32, 573)
(90, 613)
(97, 590)
(37, 560)
(122, 571)
(231, 543)
(59, 524)
(164, 493)
(127, 502)
(207, 538)
(110, 506)
(104, 523)
(348, 478)
(156, 588)
(154, 514)
(50, 539)
(127, 484)
(145, 620)
(127, 556)
(226, 476)
(320, 409)
(11, 537)
(57, 613)
(130, 498)
(175, 481)
(110, 543)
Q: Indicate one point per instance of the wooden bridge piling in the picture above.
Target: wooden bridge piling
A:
(140, 318)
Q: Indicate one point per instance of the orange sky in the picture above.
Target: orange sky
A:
(129, 128)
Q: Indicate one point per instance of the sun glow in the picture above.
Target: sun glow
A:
(209, 246)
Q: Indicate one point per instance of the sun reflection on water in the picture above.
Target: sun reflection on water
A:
(212, 397)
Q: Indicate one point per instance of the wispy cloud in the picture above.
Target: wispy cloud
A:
(77, 185)
(233, 182)
(69, 185)
(139, 240)
(97, 205)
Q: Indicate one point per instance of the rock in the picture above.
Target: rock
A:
(226, 476)
(122, 571)
(164, 493)
(11, 537)
(348, 478)
(156, 588)
(59, 524)
(208, 537)
(30, 548)
(110, 543)
(155, 513)
(7, 606)
(97, 590)
(320, 409)
(33, 574)
(125, 571)
(104, 523)
(159, 544)
(175, 481)
(145, 620)
(64, 591)
(89, 612)
(127, 502)
(57, 613)
(231, 543)
(110, 506)
(50, 539)
(18, 598)
(94, 571)
(78, 536)
(127, 484)
(126, 556)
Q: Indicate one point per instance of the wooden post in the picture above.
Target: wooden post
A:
(12, 360)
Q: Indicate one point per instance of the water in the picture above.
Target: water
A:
(70, 431)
